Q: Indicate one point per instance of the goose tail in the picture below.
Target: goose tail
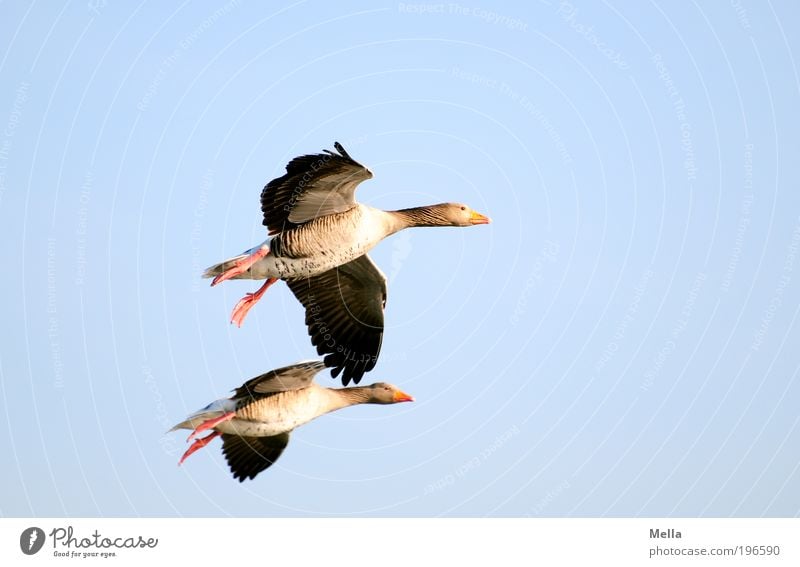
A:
(239, 266)
(222, 267)
(211, 411)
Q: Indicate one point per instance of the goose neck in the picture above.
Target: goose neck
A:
(417, 217)
(344, 397)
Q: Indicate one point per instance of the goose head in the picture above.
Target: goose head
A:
(383, 393)
(458, 214)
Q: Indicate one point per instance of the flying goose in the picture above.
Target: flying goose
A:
(319, 237)
(256, 421)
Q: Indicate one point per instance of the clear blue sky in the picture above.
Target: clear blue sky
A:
(621, 341)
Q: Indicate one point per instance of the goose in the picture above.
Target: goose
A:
(319, 236)
(255, 422)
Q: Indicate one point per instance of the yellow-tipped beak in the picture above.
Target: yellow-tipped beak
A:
(477, 218)
(402, 397)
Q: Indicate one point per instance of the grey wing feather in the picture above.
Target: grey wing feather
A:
(294, 377)
(314, 186)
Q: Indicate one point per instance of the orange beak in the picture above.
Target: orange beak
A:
(477, 218)
(402, 397)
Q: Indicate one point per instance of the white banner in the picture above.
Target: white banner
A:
(387, 542)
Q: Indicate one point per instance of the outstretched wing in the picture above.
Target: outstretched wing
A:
(344, 313)
(314, 186)
(248, 456)
(294, 377)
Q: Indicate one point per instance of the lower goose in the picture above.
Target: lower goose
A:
(256, 421)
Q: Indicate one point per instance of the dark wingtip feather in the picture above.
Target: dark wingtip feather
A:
(249, 456)
(330, 360)
(341, 150)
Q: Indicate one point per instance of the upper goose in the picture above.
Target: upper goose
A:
(256, 421)
(319, 239)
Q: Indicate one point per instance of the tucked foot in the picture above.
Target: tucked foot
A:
(247, 302)
(210, 423)
(198, 444)
(242, 265)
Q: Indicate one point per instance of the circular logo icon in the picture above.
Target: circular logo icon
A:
(31, 540)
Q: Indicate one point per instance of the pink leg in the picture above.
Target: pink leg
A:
(198, 444)
(241, 266)
(247, 302)
(211, 423)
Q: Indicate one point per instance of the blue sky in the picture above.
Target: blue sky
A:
(621, 341)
